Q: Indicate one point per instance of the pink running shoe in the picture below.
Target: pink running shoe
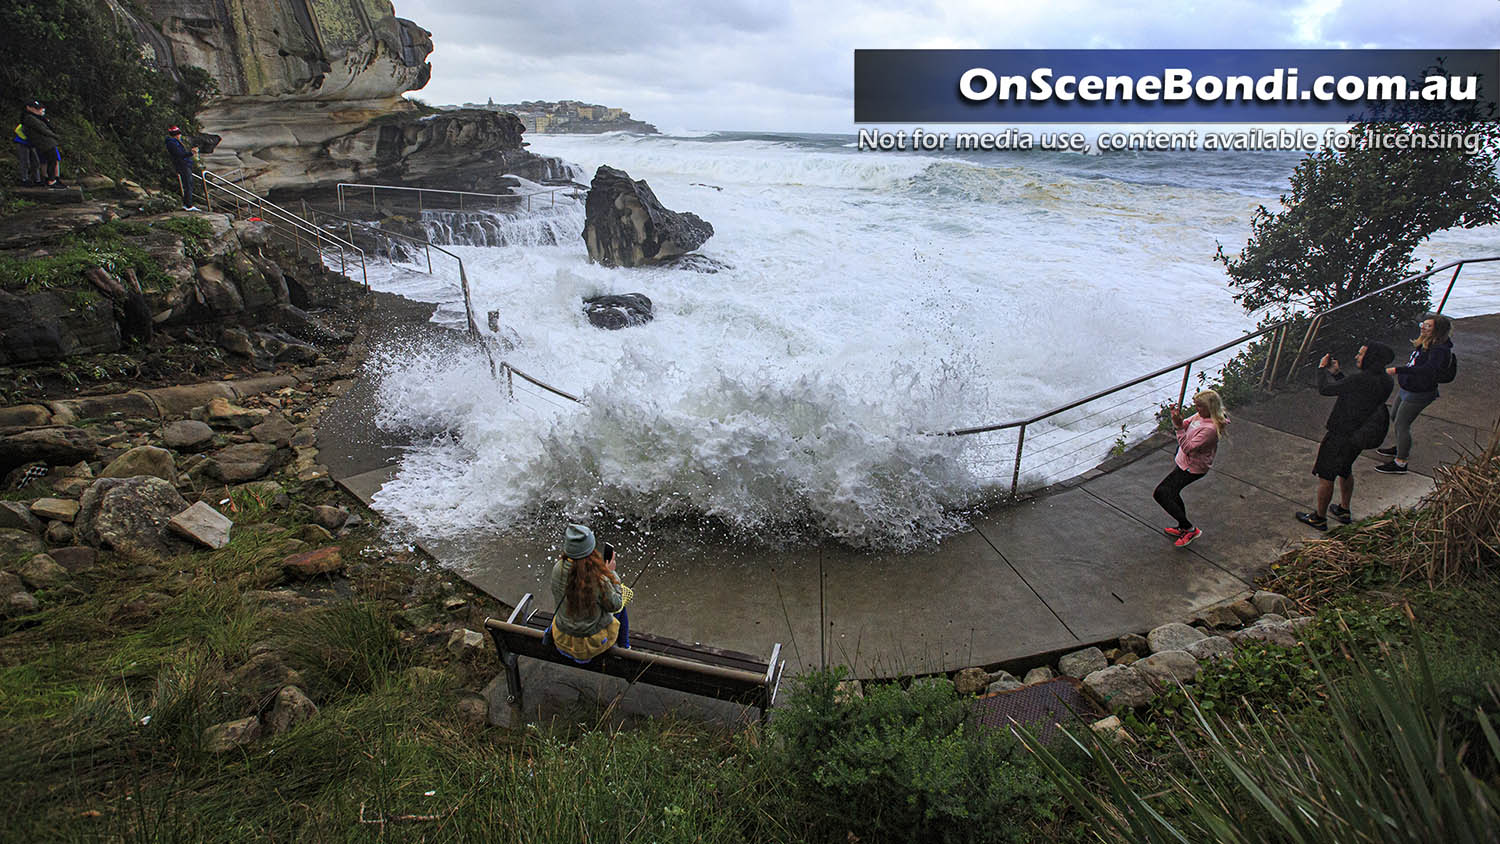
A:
(1187, 537)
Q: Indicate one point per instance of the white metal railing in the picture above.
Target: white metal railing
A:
(503, 367)
(291, 227)
(1137, 407)
(494, 198)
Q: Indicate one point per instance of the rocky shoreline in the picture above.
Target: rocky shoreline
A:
(126, 494)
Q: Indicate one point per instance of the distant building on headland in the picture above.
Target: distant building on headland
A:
(570, 117)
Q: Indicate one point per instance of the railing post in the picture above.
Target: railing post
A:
(510, 381)
(1273, 357)
(1015, 475)
(1182, 393)
(1444, 302)
(341, 199)
(460, 202)
(349, 227)
(374, 206)
(419, 202)
(208, 201)
(427, 247)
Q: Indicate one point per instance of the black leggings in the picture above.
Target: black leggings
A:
(1169, 495)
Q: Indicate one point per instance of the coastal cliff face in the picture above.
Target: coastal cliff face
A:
(311, 94)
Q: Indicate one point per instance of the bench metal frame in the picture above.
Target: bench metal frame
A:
(655, 660)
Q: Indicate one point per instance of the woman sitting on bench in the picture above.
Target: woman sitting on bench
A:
(590, 599)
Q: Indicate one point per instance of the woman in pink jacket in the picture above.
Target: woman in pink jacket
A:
(1197, 443)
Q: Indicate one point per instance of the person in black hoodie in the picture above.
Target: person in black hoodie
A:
(1359, 396)
(182, 161)
(43, 139)
(1418, 381)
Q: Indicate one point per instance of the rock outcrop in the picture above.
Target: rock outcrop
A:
(626, 226)
(614, 312)
(311, 94)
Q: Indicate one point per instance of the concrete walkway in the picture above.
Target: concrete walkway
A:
(1081, 565)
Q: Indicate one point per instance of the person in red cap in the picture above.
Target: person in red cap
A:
(182, 161)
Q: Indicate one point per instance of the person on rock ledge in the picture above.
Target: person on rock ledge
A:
(43, 140)
(182, 161)
(590, 598)
(1360, 405)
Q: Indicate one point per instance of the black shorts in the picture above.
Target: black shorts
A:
(1336, 456)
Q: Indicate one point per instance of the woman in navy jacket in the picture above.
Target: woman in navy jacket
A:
(1418, 381)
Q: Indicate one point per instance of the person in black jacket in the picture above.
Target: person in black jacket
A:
(1418, 381)
(182, 161)
(43, 139)
(1359, 396)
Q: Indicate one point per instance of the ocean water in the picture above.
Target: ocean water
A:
(869, 300)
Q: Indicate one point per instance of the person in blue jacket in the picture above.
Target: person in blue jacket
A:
(1418, 380)
(182, 162)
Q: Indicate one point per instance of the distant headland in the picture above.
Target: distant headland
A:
(567, 117)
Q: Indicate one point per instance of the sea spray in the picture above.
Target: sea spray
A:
(867, 300)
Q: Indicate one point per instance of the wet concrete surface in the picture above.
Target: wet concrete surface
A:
(1081, 565)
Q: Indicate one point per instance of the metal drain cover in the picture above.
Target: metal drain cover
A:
(1039, 708)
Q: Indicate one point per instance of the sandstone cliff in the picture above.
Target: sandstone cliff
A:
(311, 93)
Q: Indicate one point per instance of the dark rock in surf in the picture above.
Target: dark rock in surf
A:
(614, 312)
(626, 226)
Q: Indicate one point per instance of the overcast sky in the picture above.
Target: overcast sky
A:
(774, 65)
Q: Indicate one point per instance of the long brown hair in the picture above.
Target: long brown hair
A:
(1442, 329)
(583, 584)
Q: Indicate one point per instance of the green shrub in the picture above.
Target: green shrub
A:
(1383, 765)
(903, 765)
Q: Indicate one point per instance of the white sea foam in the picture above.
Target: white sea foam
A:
(869, 298)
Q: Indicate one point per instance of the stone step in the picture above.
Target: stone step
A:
(71, 195)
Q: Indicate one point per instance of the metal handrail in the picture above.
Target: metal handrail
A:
(473, 331)
(300, 226)
(551, 192)
(1268, 376)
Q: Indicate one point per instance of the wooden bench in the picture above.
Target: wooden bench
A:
(656, 660)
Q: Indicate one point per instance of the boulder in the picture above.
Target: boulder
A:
(626, 226)
(58, 445)
(1135, 643)
(188, 435)
(202, 524)
(1273, 602)
(263, 675)
(55, 509)
(313, 563)
(43, 572)
(473, 710)
(1004, 683)
(1120, 686)
(1274, 633)
(59, 533)
(130, 515)
(143, 460)
(1213, 647)
(1173, 637)
(1112, 729)
(242, 462)
(1219, 617)
(222, 413)
(274, 431)
(15, 515)
(18, 543)
(231, 734)
(1168, 667)
(1080, 664)
(313, 534)
(75, 558)
(614, 312)
(464, 641)
(218, 293)
(20, 603)
(331, 518)
(24, 416)
(292, 707)
(1038, 675)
